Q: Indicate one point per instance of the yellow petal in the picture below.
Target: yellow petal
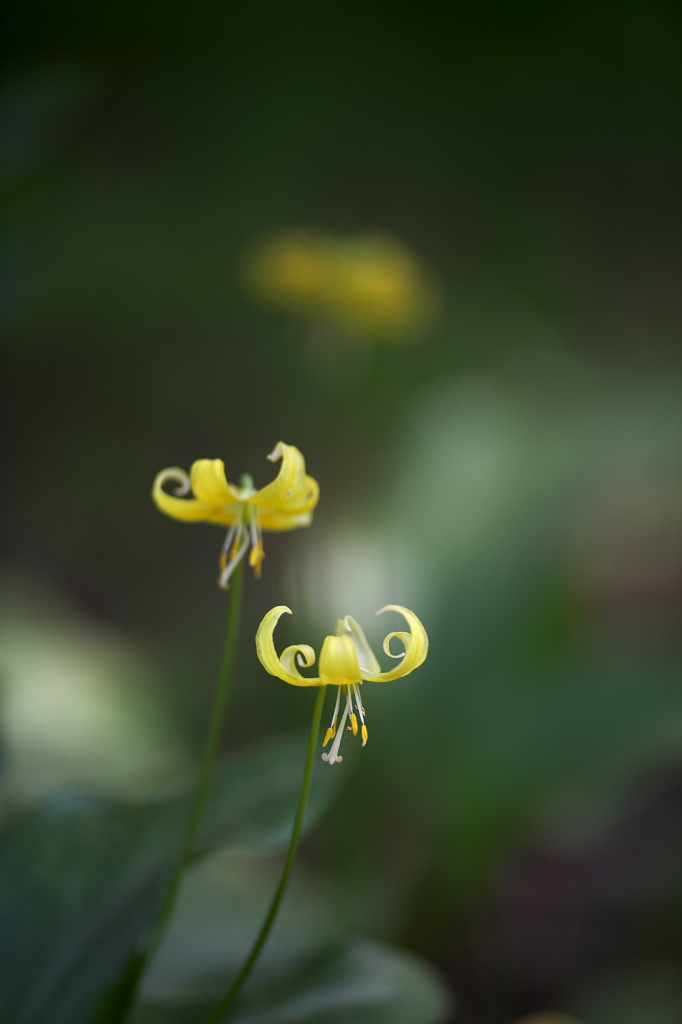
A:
(295, 655)
(210, 484)
(188, 509)
(339, 664)
(284, 667)
(307, 497)
(277, 522)
(416, 644)
(368, 662)
(289, 489)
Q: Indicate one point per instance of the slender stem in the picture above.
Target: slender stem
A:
(200, 797)
(266, 927)
(208, 763)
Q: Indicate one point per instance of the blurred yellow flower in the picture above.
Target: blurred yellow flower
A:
(290, 270)
(378, 286)
(370, 284)
(285, 504)
(346, 660)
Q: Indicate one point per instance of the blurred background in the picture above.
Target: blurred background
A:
(492, 408)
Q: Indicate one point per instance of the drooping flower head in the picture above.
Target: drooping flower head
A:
(285, 504)
(346, 659)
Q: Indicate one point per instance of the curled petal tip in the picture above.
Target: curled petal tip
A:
(394, 608)
(284, 666)
(176, 475)
(415, 642)
(276, 452)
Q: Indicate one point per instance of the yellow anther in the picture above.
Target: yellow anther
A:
(234, 550)
(223, 561)
(354, 724)
(329, 735)
(256, 558)
(364, 735)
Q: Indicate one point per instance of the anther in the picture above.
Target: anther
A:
(364, 735)
(256, 558)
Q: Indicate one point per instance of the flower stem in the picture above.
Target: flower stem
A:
(266, 927)
(198, 805)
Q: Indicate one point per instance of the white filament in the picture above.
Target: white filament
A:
(333, 756)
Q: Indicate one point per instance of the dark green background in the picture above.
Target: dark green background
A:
(530, 155)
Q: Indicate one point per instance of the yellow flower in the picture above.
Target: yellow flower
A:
(368, 285)
(346, 660)
(378, 286)
(290, 269)
(285, 504)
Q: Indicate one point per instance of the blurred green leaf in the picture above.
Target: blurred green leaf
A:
(220, 910)
(653, 995)
(80, 877)
(77, 702)
(364, 983)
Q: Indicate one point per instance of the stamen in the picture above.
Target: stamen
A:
(361, 712)
(253, 526)
(333, 756)
(256, 558)
(257, 553)
(226, 544)
(356, 694)
(235, 545)
(353, 727)
(236, 555)
(331, 731)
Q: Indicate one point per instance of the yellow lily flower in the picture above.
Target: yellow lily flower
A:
(285, 504)
(346, 659)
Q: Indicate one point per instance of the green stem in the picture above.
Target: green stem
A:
(200, 797)
(266, 927)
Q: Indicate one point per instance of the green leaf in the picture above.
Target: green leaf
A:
(652, 994)
(80, 877)
(220, 911)
(365, 982)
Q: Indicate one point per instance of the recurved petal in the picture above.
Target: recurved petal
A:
(368, 662)
(288, 487)
(209, 483)
(310, 496)
(269, 659)
(292, 657)
(416, 644)
(302, 496)
(280, 521)
(188, 509)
